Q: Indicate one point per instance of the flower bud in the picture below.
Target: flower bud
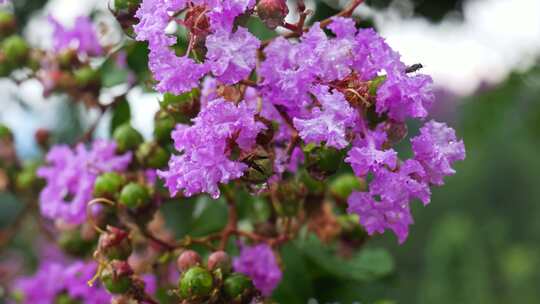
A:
(124, 11)
(197, 21)
(163, 126)
(345, 184)
(87, 78)
(272, 12)
(5, 133)
(183, 107)
(188, 259)
(134, 196)
(238, 287)
(8, 24)
(68, 58)
(73, 243)
(115, 244)
(127, 138)
(15, 50)
(196, 283)
(108, 185)
(42, 137)
(64, 298)
(27, 177)
(324, 161)
(290, 197)
(151, 155)
(116, 277)
(220, 260)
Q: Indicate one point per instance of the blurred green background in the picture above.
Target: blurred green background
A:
(479, 239)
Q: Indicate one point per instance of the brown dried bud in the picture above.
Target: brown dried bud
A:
(272, 12)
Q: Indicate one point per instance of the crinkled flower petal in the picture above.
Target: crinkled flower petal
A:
(260, 264)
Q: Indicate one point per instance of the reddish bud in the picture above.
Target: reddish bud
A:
(272, 12)
(196, 21)
(42, 137)
(188, 259)
(219, 260)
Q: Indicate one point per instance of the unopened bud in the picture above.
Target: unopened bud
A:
(115, 244)
(238, 287)
(42, 137)
(108, 185)
(15, 50)
(127, 138)
(116, 277)
(188, 259)
(151, 155)
(134, 196)
(272, 12)
(220, 260)
(196, 284)
(8, 25)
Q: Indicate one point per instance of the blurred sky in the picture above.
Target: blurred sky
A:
(493, 38)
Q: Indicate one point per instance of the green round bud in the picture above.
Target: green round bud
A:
(134, 195)
(126, 4)
(15, 50)
(8, 24)
(345, 184)
(72, 242)
(66, 299)
(5, 133)
(108, 185)
(324, 161)
(151, 155)
(236, 285)
(27, 177)
(116, 277)
(115, 244)
(87, 77)
(127, 138)
(196, 282)
(164, 125)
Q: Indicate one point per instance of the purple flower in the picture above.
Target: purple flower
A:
(403, 96)
(232, 56)
(70, 176)
(205, 160)
(329, 122)
(368, 155)
(175, 74)
(260, 264)
(386, 205)
(373, 55)
(437, 148)
(82, 37)
(55, 278)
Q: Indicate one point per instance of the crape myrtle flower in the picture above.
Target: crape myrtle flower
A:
(386, 205)
(81, 37)
(55, 278)
(231, 55)
(437, 148)
(205, 146)
(70, 175)
(260, 264)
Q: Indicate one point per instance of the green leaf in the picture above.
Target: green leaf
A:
(366, 265)
(111, 74)
(121, 115)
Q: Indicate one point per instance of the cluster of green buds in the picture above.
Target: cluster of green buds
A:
(214, 282)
